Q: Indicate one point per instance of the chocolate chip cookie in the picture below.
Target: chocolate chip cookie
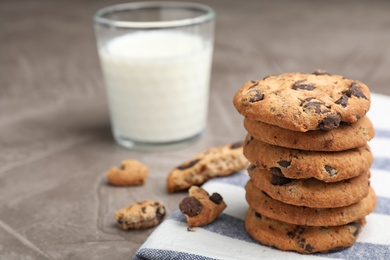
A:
(312, 192)
(200, 208)
(262, 203)
(215, 162)
(299, 164)
(140, 215)
(303, 239)
(346, 136)
(303, 102)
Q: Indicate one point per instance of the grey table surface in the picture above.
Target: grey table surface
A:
(55, 138)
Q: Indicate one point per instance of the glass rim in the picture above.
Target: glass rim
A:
(208, 15)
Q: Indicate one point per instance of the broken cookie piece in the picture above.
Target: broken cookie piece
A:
(140, 215)
(200, 208)
(215, 162)
(131, 173)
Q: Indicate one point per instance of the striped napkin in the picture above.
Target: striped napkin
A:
(226, 237)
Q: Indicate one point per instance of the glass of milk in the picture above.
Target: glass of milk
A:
(156, 61)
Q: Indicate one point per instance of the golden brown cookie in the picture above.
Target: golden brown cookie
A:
(131, 173)
(346, 136)
(299, 164)
(215, 162)
(312, 192)
(266, 206)
(303, 102)
(140, 215)
(200, 208)
(302, 239)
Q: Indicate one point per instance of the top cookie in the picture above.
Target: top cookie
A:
(303, 102)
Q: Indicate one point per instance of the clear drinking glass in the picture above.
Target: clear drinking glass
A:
(156, 61)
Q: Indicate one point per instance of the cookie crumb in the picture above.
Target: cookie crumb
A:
(214, 162)
(200, 208)
(189, 229)
(130, 173)
(140, 215)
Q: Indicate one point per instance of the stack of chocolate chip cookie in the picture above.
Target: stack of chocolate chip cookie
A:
(309, 188)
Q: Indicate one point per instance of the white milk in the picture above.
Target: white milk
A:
(157, 85)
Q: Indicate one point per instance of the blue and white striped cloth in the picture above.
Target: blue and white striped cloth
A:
(226, 237)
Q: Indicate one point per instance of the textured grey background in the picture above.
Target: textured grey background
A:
(55, 138)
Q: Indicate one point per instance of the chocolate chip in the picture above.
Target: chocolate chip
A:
(307, 100)
(330, 170)
(255, 95)
(330, 122)
(345, 123)
(313, 106)
(357, 227)
(255, 83)
(120, 221)
(251, 167)
(302, 85)
(236, 145)
(143, 209)
(355, 90)
(295, 233)
(190, 206)
(343, 101)
(216, 198)
(258, 215)
(188, 165)
(160, 213)
(250, 139)
(266, 194)
(328, 143)
(284, 164)
(276, 171)
(321, 72)
(279, 180)
(336, 249)
(308, 248)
